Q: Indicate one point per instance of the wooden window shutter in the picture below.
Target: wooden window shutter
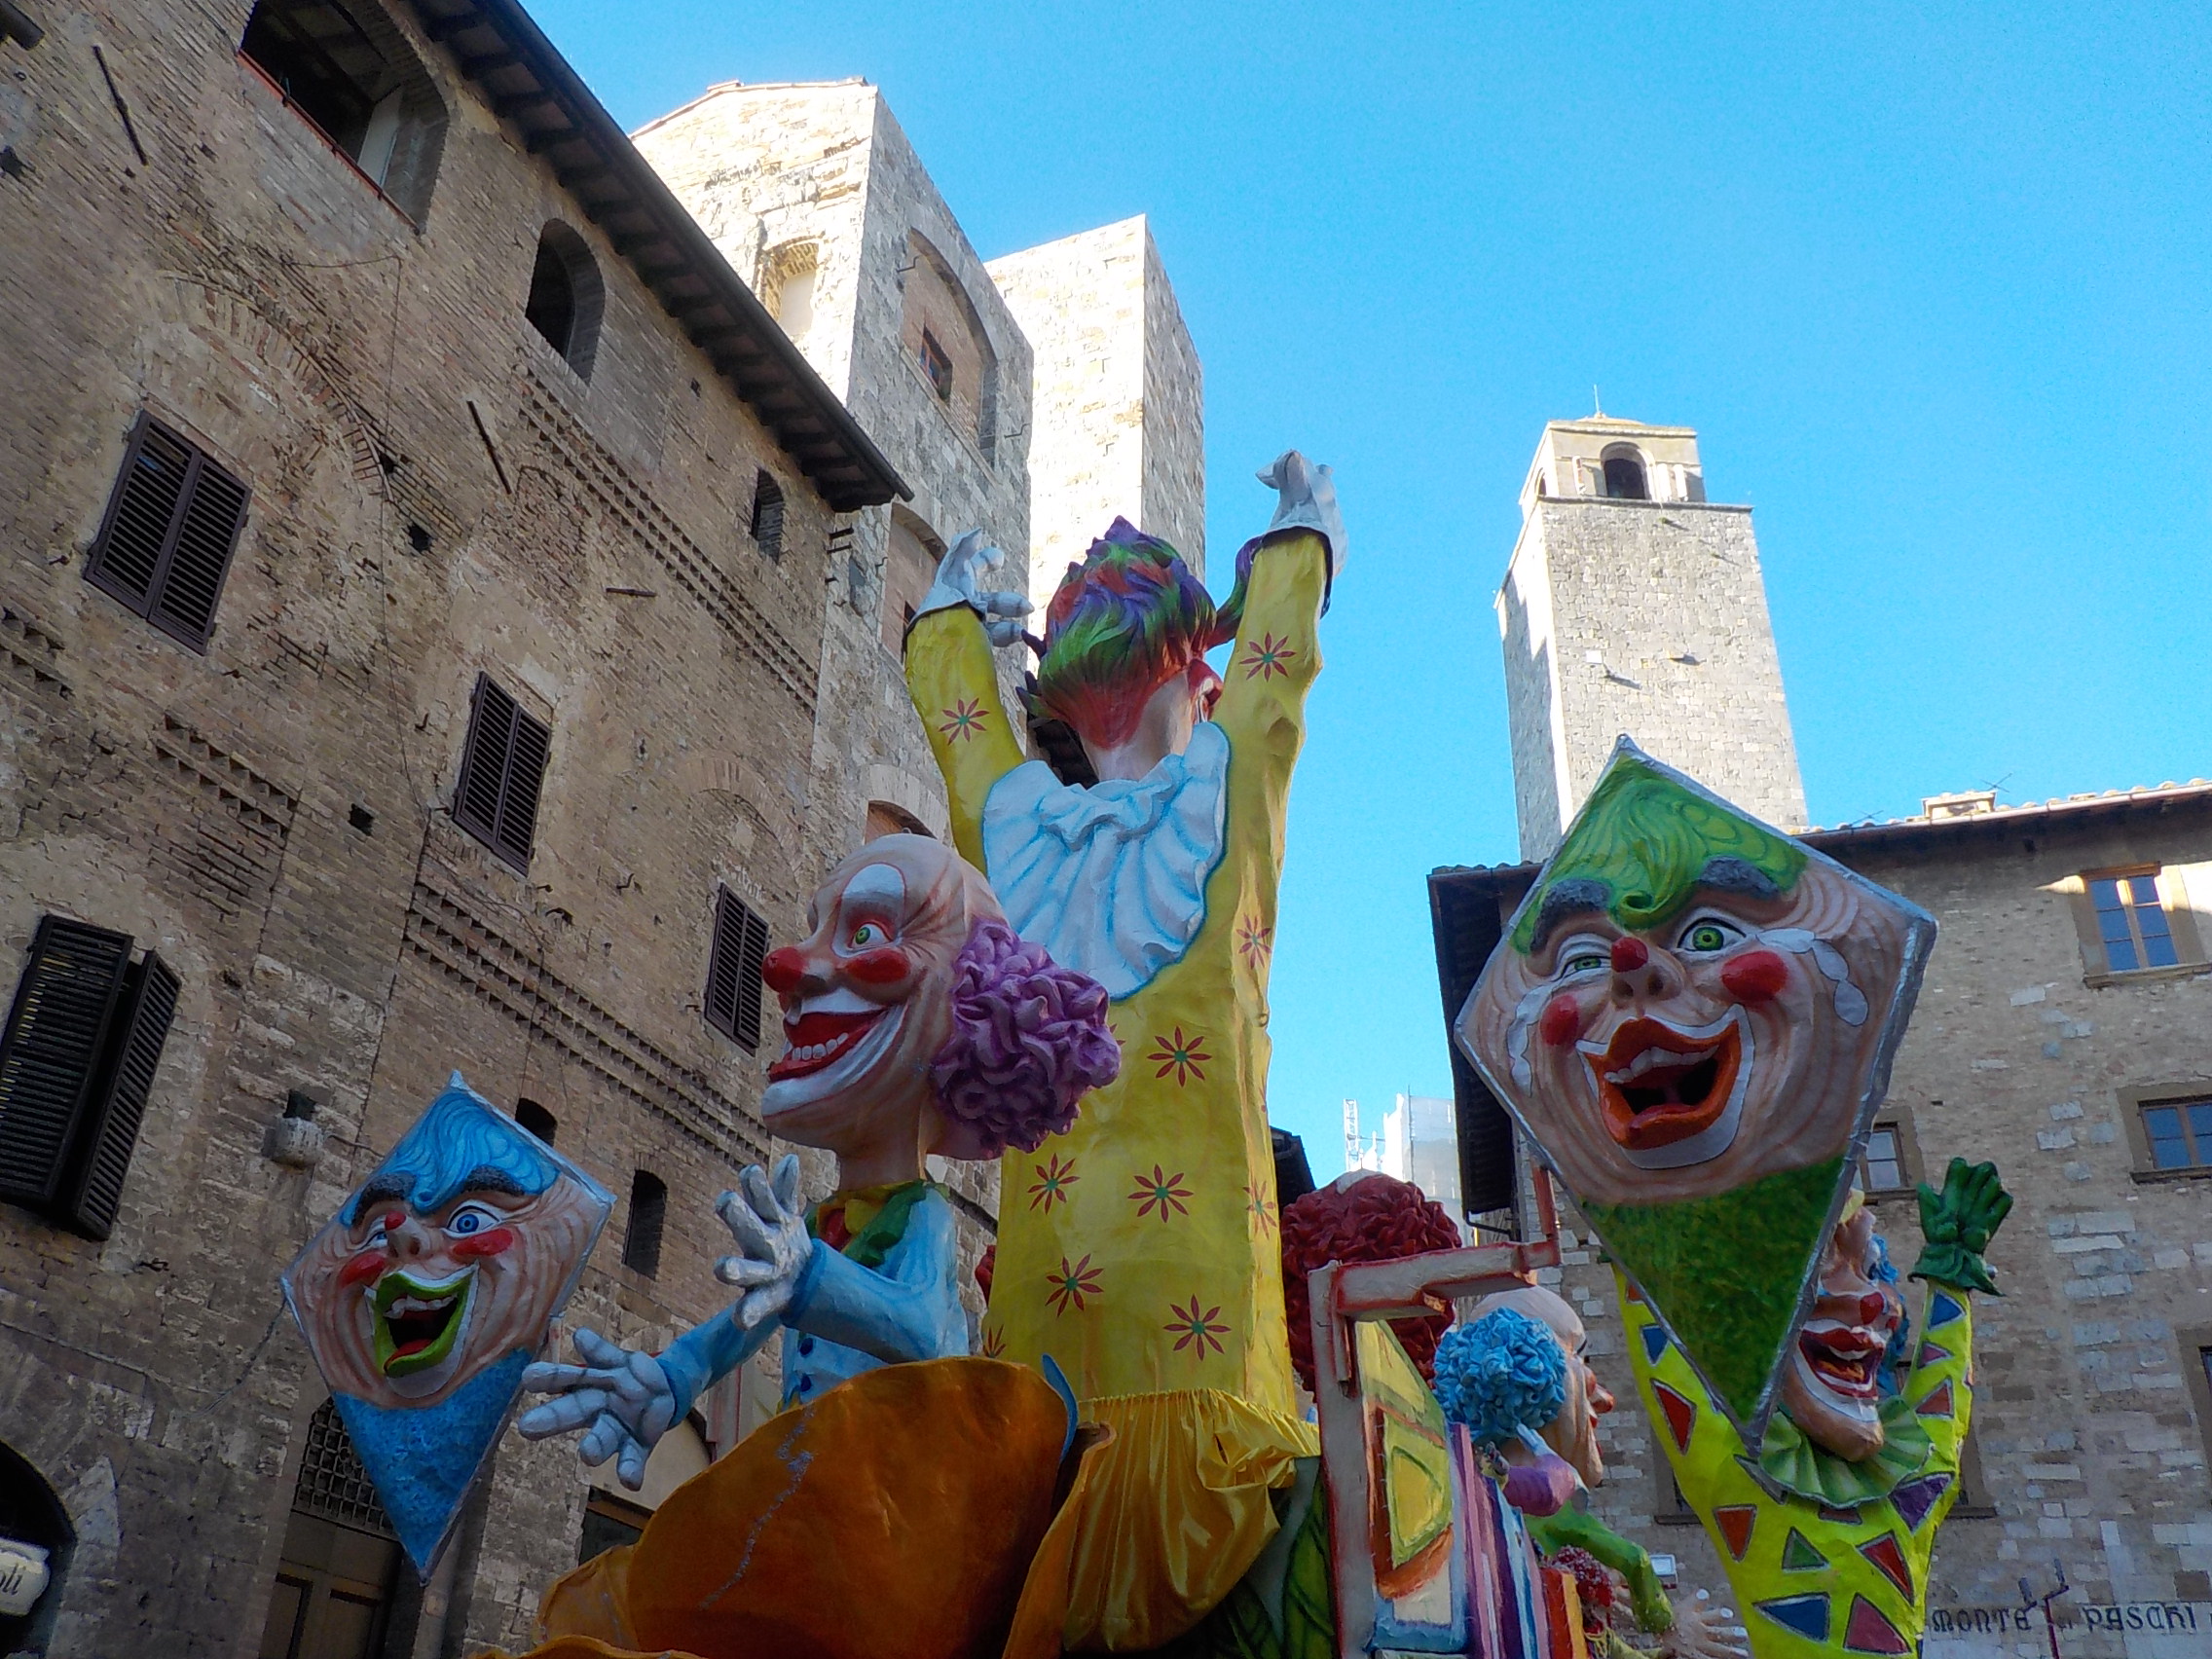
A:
(110, 1133)
(502, 772)
(768, 516)
(171, 527)
(733, 969)
(49, 1054)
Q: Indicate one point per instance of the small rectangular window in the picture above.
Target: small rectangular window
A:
(768, 516)
(648, 1214)
(609, 1522)
(77, 1060)
(2131, 921)
(171, 525)
(733, 969)
(937, 364)
(502, 770)
(2179, 1133)
(1883, 1168)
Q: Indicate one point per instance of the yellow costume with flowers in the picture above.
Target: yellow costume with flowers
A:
(1139, 1250)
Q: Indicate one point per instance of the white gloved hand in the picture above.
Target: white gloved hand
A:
(1305, 498)
(959, 580)
(1705, 1630)
(622, 1395)
(769, 1225)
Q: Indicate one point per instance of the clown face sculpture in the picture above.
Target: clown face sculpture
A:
(432, 1287)
(1831, 1382)
(1573, 1432)
(900, 1038)
(1693, 1015)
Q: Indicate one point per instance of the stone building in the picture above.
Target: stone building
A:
(815, 196)
(1118, 417)
(401, 671)
(1633, 604)
(2064, 1030)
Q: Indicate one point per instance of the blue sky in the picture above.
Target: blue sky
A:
(1937, 294)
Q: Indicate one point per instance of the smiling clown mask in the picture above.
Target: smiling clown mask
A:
(1692, 1016)
(431, 1288)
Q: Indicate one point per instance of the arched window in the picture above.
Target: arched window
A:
(788, 274)
(944, 337)
(768, 516)
(537, 1119)
(33, 1521)
(886, 819)
(347, 73)
(909, 566)
(1624, 475)
(648, 1213)
(567, 297)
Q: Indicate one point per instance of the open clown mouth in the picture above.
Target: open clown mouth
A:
(818, 1040)
(418, 1321)
(1843, 1359)
(1658, 1085)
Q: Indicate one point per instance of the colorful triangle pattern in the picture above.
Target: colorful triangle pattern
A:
(1798, 1554)
(1737, 1522)
(1943, 1309)
(1681, 1415)
(1937, 1404)
(1888, 1556)
(1807, 1615)
(1654, 1342)
(1915, 1498)
(1930, 1354)
(1868, 1631)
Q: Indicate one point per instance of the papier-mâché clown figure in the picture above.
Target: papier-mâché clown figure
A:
(432, 1288)
(895, 1507)
(1828, 1533)
(1138, 1249)
(1693, 1015)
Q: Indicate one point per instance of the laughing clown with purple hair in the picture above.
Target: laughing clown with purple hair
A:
(917, 1022)
(1138, 1248)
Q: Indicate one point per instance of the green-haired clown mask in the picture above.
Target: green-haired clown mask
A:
(1689, 1001)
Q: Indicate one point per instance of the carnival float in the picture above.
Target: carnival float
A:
(1192, 1421)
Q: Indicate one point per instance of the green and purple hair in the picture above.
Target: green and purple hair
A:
(1123, 623)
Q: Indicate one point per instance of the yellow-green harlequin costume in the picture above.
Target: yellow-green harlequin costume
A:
(1139, 1250)
(1814, 1580)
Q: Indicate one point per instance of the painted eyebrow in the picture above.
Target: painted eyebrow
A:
(379, 1188)
(1728, 874)
(488, 1178)
(1566, 898)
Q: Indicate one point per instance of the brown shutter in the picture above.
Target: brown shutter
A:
(527, 754)
(110, 1131)
(206, 534)
(171, 526)
(127, 554)
(733, 969)
(49, 1054)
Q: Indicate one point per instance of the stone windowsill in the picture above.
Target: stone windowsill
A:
(2199, 1172)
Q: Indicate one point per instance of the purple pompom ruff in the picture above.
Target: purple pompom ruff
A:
(1029, 1040)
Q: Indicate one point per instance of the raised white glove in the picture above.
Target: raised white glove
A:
(623, 1395)
(769, 1225)
(1703, 1629)
(1305, 498)
(960, 581)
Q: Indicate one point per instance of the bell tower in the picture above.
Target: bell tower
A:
(1634, 605)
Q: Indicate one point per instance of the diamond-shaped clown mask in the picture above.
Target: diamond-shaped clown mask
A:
(432, 1287)
(1692, 1016)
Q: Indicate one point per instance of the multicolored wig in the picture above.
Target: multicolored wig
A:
(1123, 623)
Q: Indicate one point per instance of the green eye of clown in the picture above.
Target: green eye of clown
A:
(868, 935)
(1708, 935)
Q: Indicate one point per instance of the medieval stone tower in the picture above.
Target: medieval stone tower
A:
(1634, 605)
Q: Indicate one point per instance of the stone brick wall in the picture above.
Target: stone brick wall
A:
(2089, 1427)
(434, 494)
(1119, 396)
(1649, 618)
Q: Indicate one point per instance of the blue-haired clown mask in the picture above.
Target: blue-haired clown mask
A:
(431, 1288)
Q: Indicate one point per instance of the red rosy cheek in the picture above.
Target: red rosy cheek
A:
(885, 967)
(1756, 977)
(362, 1267)
(1561, 1023)
(481, 1245)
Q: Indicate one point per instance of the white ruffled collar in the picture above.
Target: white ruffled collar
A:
(1110, 879)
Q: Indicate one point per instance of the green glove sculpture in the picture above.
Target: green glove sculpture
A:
(1957, 1224)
